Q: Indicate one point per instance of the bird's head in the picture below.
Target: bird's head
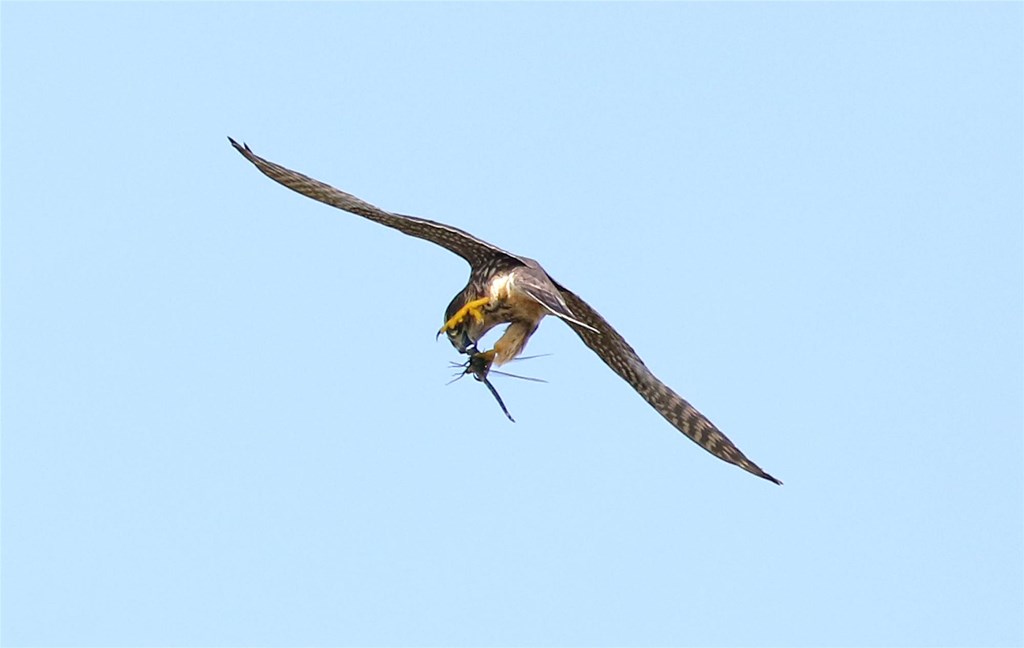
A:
(459, 337)
(464, 323)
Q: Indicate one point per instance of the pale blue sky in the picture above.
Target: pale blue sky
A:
(225, 419)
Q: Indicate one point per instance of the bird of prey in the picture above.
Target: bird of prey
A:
(506, 288)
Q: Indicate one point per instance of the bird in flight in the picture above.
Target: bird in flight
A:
(506, 288)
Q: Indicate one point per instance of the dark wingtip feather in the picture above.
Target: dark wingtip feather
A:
(241, 148)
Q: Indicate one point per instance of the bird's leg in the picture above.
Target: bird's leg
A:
(472, 309)
(510, 344)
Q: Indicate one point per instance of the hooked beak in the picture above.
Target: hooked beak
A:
(461, 342)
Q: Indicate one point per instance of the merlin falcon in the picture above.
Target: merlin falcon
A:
(505, 288)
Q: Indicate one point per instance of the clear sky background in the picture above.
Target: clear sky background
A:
(225, 419)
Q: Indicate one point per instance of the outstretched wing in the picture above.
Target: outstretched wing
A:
(467, 246)
(606, 342)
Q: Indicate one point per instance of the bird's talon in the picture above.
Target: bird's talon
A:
(479, 364)
(472, 309)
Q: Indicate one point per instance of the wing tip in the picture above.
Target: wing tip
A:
(241, 148)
